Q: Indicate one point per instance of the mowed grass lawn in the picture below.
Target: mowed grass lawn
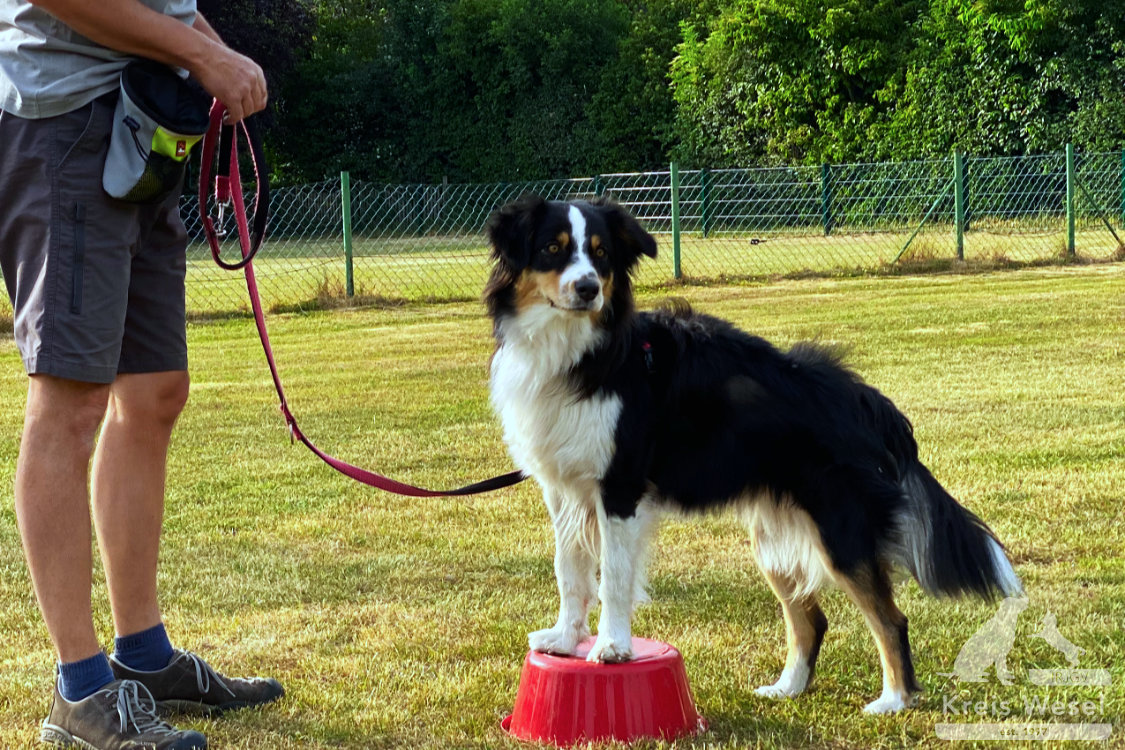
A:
(398, 622)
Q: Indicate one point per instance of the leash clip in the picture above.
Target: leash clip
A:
(220, 230)
(223, 199)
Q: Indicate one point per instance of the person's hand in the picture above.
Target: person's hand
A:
(235, 80)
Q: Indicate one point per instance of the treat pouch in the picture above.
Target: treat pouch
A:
(159, 118)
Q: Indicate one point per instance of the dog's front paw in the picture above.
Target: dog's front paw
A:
(557, 640)
(611, 650)
(889, 703)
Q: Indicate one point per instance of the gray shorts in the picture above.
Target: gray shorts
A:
(96, 284)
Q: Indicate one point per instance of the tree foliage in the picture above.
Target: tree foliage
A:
(418, 90)
(277, 34)
(487, 90)
(793, 80)
(1007, 78)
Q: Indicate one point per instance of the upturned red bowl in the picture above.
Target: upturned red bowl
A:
(565, 699)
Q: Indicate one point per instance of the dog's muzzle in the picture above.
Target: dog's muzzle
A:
(584, 294)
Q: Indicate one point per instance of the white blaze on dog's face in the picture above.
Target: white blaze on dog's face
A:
(561, 260)
(568, 268)
(580, 285)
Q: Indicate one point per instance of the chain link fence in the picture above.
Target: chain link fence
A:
(426, 242)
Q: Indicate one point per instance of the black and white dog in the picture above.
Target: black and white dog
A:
(620, 415)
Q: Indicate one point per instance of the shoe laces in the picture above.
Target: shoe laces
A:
(205, 674)
(136, 707)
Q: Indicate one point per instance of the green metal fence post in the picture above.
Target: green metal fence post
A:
(599, 186)
(1123, 186)
(959, 202)
(704, 200)
(1070, 200)
(675, 169)
(826, 198)
(346, 210)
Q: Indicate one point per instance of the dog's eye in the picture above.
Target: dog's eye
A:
(600, 252)
(553, 248)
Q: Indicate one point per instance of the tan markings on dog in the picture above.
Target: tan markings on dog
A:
(595, 241)
(563, 239)
(871, 592)
(536, 288)
(527, 290)
(805, 622)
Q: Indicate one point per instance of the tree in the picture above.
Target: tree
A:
(633, 111)
(790, 80)
(276, 34)
(795, 81)
(1007, 78)
(418, 90)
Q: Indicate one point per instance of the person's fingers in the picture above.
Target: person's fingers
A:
(261, 91)
(237, 81)
(257, 95)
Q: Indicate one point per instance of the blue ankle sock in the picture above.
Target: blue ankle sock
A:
(81, 679)
(146, 651)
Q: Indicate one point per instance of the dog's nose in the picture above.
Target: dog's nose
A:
(587, 288)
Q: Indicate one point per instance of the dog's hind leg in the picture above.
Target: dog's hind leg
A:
(805, 625)
(576, 543)
(870, 588)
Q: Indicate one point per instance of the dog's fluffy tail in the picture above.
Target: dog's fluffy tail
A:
(948, 549)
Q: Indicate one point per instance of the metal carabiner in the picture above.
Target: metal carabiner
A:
(220, 231)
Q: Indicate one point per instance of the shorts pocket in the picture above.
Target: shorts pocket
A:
(76, 132)
(78, 260)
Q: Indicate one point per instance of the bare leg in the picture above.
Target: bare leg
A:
(128, 490)
(575, 572)
(870, 589)
(805, 625)
(52, 506)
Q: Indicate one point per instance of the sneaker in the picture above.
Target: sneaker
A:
(190, 685)
(120, 716)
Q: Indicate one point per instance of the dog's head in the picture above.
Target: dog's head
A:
(573, 257)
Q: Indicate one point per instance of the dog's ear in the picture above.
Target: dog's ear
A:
(626, 230)
(510, 230)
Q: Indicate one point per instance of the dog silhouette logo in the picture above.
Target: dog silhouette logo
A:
(1049, 631)
(989, 646)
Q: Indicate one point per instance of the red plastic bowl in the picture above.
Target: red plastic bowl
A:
(566, 699)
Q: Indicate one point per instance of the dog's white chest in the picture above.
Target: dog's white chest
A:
(550, 432)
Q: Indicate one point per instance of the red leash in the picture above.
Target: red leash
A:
(228, 192)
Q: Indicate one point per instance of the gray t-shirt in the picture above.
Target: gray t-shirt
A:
(48, 69)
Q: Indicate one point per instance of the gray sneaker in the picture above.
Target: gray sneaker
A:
(120, 716)
(190, 685)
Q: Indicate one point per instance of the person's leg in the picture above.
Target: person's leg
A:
(128, 490)
(65, 250)
(129, 465)
(52, 506)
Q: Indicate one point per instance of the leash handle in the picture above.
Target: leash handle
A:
(228, 190)
(228, 186)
